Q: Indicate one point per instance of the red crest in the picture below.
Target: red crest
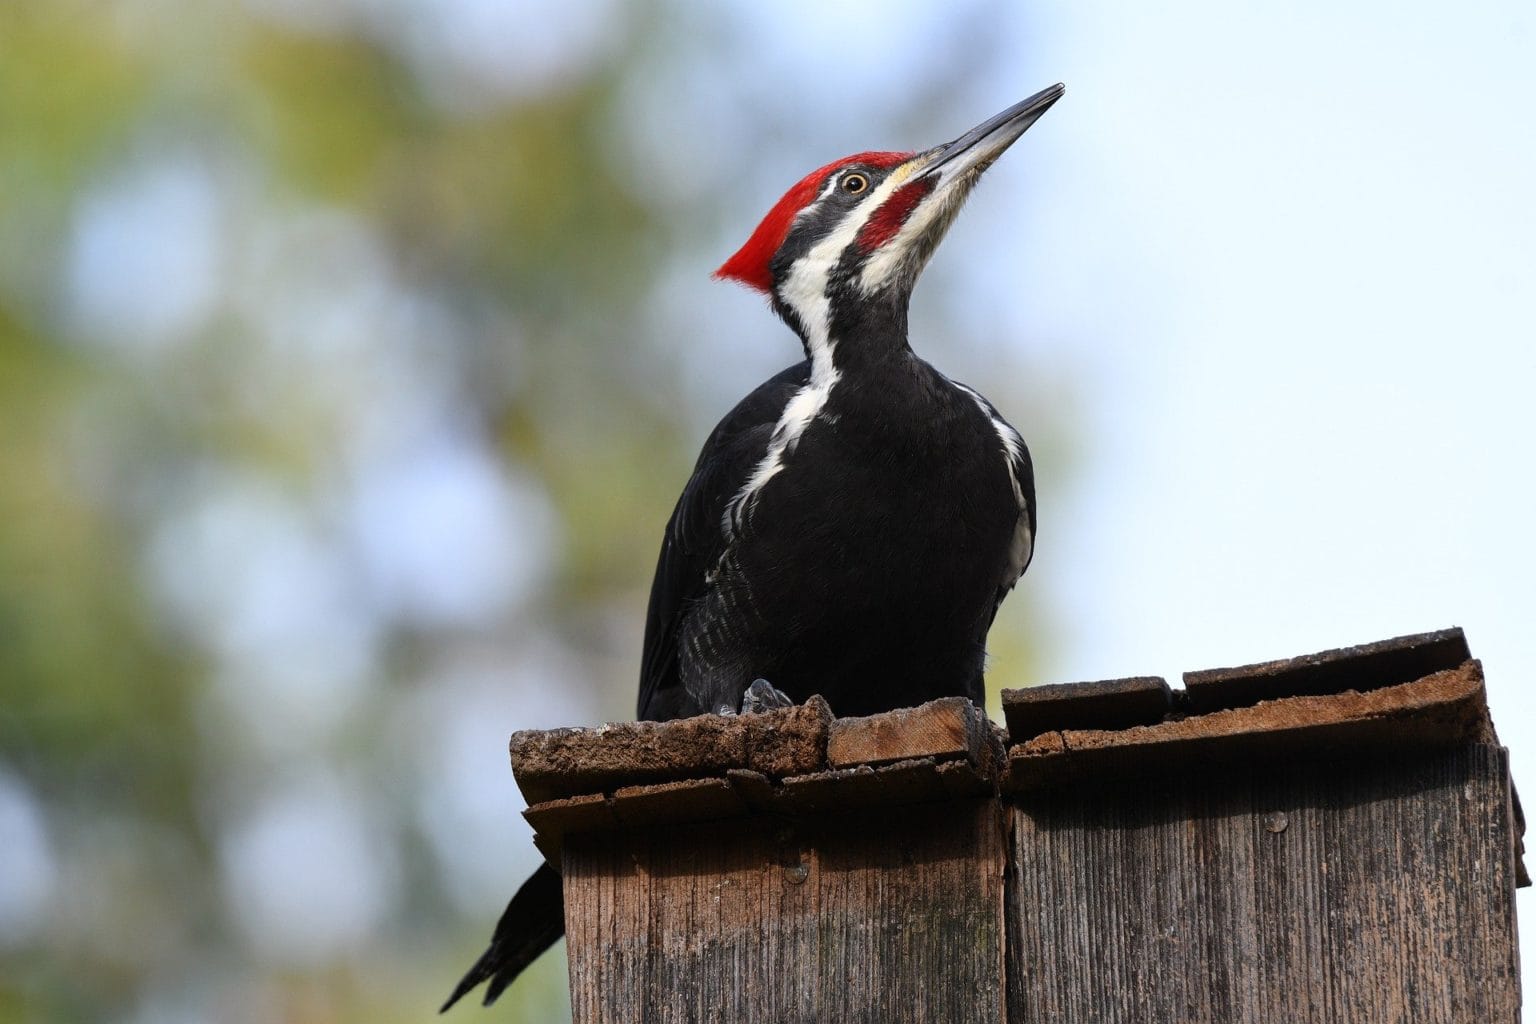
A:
(750, 263)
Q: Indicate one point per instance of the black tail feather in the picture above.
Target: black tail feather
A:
(533, 921)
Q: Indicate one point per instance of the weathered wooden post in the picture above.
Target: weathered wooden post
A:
(783, 867)
(1331, 838)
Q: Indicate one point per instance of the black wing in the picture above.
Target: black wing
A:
(695, 540)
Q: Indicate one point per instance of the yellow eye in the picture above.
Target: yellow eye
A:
(855, 184)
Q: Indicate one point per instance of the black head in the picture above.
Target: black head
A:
(861, 229)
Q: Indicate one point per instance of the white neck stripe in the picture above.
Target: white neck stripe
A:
(804, 292)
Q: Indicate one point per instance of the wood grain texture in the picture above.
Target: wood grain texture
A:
(1372, 892)
(1440, 711)
(882, 916)
(1105, 704)
(951, 727)
(1366, 667)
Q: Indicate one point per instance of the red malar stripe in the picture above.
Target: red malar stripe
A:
(893, 213)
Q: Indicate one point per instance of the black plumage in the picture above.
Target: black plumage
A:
(868, 570)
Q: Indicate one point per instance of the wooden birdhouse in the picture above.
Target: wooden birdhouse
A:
(1330, 838)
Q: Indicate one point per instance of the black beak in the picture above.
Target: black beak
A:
(986, 142)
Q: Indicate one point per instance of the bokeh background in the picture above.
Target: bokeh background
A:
(352, 353)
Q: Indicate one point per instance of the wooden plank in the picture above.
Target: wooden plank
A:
(554, 763)
(850, 789)
(1446, 709)
(1366, 667)
(667, 803)
(868, 916)
(1372, 891)
(553, 819)
(1106, 704)
(572, 814)
(949, 728)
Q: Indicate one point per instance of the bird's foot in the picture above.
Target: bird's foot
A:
(763, 696)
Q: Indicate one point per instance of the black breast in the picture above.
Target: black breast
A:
(869, 567)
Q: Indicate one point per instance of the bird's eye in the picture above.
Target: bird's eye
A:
(855, 184)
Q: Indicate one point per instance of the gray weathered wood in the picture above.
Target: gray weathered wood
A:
(1440, 711)
(893, 915)
(1343, 850)
(1366, 667)
(1363, 892)
(1105, 704)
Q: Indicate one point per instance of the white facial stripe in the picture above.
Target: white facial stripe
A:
(806, 289)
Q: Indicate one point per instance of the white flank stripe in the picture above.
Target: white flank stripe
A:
(797, 415)
(1022, 547)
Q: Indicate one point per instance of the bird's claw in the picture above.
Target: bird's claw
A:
(763, 696)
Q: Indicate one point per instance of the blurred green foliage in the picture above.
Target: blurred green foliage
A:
(182, 464)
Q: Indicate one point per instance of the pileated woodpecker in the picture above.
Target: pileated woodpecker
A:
(852, 525)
